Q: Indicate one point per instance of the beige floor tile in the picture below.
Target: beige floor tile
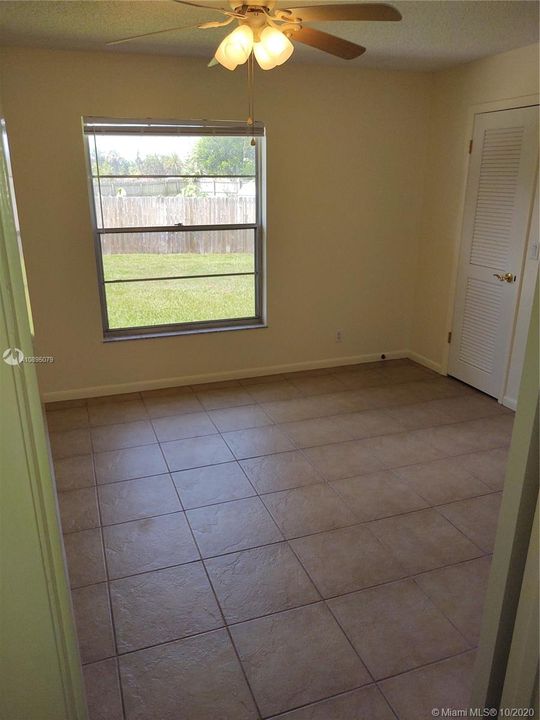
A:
(85, 560)
(259, 582)
(273, 392)
(232, 526)
(224, 397)
(395, 628)
(212, 484)
(459, 592)
(445, 684)
(197, 678)
(102, 687)
(257, 441)
(470, 407)
(355, 380)
(418, 415)
(441, 387)
(343, 460)
(342, 561)
(196, 452)
(128, 464)
(67, 419)
(296, 657)
(405, 373)
(67, 443)
(318, 385)
(180, 427)
(78, 509)
(477, 518)
(150, 544)
(317, 431)
(369, 423)
(123, 435)
(239, 418)
(488, 466)
(363, 704)
(307, 407)
(93, 620)
(280, 471)
(423, 540)
(72, 473)
(136, 499)
(471, 436)
(441, 481)
(172, 404)
(377, 495)
(402, 448)
(308, 509)
(109, 413)
(163, 605)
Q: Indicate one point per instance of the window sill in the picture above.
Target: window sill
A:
(113, 337)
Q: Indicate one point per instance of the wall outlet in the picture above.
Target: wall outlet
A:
(339, 335)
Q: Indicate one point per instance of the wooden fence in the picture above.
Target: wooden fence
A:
(150, 211)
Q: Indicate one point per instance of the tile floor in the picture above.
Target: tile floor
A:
(311, 546)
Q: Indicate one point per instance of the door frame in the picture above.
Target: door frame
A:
(472, 111)
(40, 587)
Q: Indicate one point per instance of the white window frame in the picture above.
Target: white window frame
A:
(93, 126)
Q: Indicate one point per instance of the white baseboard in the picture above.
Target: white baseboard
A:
(509, 402)
(137, 386)
(426, 362)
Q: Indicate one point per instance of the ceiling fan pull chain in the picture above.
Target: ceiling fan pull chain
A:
(251, 100)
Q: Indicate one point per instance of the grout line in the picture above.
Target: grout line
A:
(287, 540)
(111, 613)
(221, 611)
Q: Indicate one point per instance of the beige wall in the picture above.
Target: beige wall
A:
(454, 96)
(345, 167)
(366, 171)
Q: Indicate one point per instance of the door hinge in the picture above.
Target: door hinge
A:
(470, 146)
(450, 337)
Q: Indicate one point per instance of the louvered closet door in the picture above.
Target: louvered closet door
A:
(498, 203)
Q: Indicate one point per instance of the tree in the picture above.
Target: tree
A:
(112, 163)
(222, 156)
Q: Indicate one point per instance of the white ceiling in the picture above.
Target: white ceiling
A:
(433, 35)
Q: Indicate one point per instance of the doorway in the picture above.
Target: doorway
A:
(497, 212)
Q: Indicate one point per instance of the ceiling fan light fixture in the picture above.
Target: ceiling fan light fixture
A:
(276, 44)
(235, 49)
(263, 57)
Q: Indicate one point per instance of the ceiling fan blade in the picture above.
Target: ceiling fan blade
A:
(328, 43)
(155, 32)
(348, 11)
(200, 5)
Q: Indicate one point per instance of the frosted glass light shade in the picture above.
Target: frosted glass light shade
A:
(263, 57)
(275, 45)
(235, 49)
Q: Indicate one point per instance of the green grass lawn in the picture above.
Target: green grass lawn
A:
(160, 302)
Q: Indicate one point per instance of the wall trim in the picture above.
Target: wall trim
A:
(509, 402)
(139, 385)
(426, 362)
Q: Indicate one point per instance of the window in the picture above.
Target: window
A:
(177, 211)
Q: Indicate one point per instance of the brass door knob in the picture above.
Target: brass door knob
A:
(507, 277)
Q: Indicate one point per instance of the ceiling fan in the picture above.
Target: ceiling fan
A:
(267, 31)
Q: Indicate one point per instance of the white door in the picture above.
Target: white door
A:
(498, 203)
